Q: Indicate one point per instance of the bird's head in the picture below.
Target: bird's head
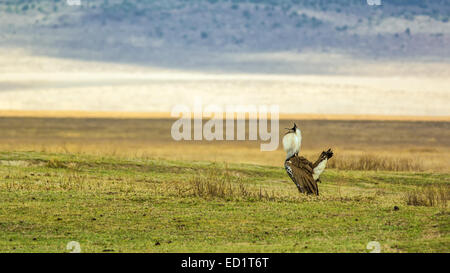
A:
(293, 129)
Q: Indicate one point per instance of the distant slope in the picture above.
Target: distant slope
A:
(215, 34)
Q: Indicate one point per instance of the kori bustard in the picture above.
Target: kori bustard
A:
(303, 173)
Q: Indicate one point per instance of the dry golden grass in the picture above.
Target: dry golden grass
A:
(429, 196)
(358, 145)
(377, 162)
(222, 187)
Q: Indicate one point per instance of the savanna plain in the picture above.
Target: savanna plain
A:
(124, 185)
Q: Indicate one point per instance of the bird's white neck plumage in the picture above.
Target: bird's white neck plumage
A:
(292, 142)
(299, 137)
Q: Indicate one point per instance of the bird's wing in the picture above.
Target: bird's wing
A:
(300, 171)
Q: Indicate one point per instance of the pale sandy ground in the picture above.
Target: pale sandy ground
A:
(30, 82)
(167, 115)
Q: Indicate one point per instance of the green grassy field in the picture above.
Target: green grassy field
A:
(120, 204)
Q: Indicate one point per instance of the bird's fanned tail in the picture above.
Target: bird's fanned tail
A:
(321, 164)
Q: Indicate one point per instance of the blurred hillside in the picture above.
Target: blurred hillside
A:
(239, 36)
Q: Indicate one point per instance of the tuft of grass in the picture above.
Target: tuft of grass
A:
(223, 183)
(429, 196)
(374, 162)
(56, 164)
(209, 188)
